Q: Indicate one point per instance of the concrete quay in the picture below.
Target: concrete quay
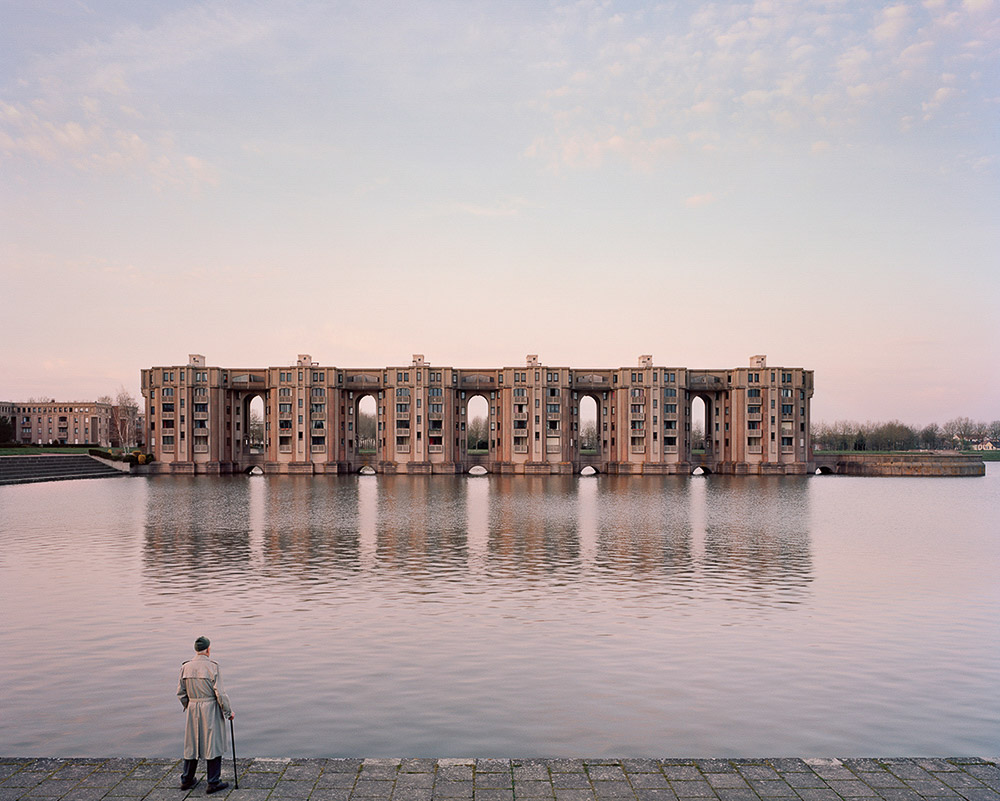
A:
(860, 779)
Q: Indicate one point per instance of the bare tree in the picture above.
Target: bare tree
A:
(125, 417)
(477, 434)
(367, 431)
(588, 436)
(256, 429)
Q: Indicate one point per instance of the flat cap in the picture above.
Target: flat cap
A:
(201, 644)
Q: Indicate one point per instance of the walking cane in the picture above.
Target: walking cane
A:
(232, 738)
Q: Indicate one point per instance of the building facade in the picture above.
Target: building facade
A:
(755, 419)
(62, 423)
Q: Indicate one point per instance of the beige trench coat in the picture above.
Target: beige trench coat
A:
(207, 706)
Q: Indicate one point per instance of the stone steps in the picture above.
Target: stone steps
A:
(52, 467)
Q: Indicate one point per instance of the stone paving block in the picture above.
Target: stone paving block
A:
(291, 789)
(728, 780)
(611, 789)
(692, 789)
(571, 781)
(258, 781)
(760, 772)
(802, 781)
(330, 793)
(898, 794)
(530, 788)
(417, 766)
(243, 794)
(455, 773)
(606, 761)
(881, 779)
(987, 774)
(303, 772)
(453, 762)
(531, 772)
(790, 765)
(415, 780)
(410, 794)
(682, 772)
(97, 793)
(493, 781)
(372, 788)
(907, 769)
(25, 779)
(270, 765)
(492, 765)
(382, 762)
(737, 794)
(49, 789)
(932, 788)
(131, 788)
(817, 794)
(979, 793)
(655, 794)
(715, 766)
(378, 772)
(938, 765)
(493, 794)
(333, 779)
(10, 793)
(574, 794)
(648, 780)
(675, 762)
(863, 765)
(776, 788)
(341, 765)
(958, 779)
(566, 766)
(606, 773)
(641, 766)
(851, 788)
(452, 789)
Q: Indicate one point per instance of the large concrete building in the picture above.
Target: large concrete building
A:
(62, 423)
(755, 419)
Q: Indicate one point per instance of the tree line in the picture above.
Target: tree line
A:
(847, 435)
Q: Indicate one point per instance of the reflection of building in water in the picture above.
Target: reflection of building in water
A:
(757, 535)
(644, 530)
(196, 532)
(755, 419)
(421, 526)
(533, 525)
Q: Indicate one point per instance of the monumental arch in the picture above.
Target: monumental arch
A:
(756, 418)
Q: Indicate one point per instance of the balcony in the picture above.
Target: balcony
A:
(319, 448)
(200, 416)
(317, 416)
(788, 449)
(637, 416)
(755, 416)
(284, 449)
(200, 447)
(670, 449)
(402, 449)
(435, 448)
(435, 415)
(520, 416)
(553, 416)
(284, 415)
(638, 449)
(754, 449)
(553, 447)
(520, 448)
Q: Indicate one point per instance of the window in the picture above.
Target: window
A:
(402, 392)
(670, 408)
(636, 392)
(168, 392)
(787, 408)
(434, 392)
(787, 441)
(753, 378)
(753, 409)
(402, 408)
(786, 393)
(786, 378)
(318, 408)
(552, 408)
(753, 393)
(670, 392)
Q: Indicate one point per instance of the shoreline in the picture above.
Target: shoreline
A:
(479, 779)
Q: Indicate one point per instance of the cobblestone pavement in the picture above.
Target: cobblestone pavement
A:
(954, 779)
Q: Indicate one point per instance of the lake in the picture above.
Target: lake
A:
(507, 616)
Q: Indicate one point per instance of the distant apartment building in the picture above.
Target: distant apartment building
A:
(755, 419)
(62, 423)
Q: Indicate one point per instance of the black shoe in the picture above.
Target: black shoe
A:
(214, 788)
(189, 785)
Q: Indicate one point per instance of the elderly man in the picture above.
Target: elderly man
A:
(206, 705)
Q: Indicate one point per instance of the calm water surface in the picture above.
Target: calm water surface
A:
(507, 616)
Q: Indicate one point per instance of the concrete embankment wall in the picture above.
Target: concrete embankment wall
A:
(901, 464)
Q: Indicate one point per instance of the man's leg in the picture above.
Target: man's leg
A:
(187, 777)
(215, 782)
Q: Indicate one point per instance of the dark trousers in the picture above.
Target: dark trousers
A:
(214, 770)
